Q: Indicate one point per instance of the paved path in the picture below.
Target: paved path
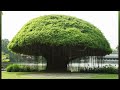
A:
(58, 76)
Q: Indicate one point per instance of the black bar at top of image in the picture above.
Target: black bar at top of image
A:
(59, 5)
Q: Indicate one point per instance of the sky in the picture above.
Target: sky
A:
(106, 21)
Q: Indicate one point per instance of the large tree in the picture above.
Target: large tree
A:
(59, 38)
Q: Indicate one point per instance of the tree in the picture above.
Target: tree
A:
(59, 38)
(5, 57)
(4, 45)
(5, 50)
(5, 60)
(13, 57)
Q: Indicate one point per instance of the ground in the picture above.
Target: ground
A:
(40, 75)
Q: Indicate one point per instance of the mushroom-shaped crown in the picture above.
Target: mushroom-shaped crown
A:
(58, 30)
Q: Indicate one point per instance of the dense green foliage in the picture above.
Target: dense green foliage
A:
(23, 68)
(58, 30)
(105, 69)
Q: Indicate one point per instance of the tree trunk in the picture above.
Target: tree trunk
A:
(56, 64)
(56, 60)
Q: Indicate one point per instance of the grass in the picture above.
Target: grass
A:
(40, 75)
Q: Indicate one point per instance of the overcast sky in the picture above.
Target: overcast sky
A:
(106, 21)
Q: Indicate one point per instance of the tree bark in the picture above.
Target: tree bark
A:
(56, 60)
(56, 64)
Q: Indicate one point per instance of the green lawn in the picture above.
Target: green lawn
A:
(40, 75)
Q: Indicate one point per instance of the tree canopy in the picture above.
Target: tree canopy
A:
(58, 30)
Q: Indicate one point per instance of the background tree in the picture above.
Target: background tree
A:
(5, 57)
(12, 56)
(59, 39)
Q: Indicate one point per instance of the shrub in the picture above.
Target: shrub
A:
(104, 69)
(22, 68)
(5, 61)
(12, 68)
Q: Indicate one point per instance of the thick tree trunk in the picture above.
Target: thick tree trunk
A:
(56, 60)
(56, 64)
